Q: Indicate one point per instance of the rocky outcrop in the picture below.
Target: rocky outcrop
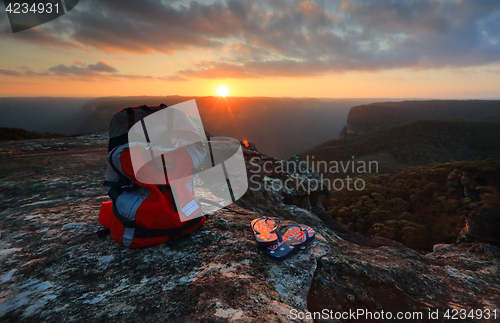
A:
(288, 181)
(483, 205)
(368, 118)
(401, 280)
(53, 267)
(343, 132)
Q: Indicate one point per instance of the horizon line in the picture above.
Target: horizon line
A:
(2, 96)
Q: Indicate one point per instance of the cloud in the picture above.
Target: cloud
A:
(367, 36)
(93, 72)
(10, 72)
(175, 78)
(24, 72)
(256, 69)
(63, 70)
(102, 67)
(151, 26)
(41, 36)
(285, 38)
(134, 77)
(99, 71)
(80, 69)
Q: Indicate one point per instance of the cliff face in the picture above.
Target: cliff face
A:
(53, 267)
(364, 119)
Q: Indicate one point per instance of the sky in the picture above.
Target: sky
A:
(447, 49)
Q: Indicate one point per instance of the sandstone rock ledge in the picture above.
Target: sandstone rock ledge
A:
(54, 269)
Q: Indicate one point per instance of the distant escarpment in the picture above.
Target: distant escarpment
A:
(367, 118)
(415, 143)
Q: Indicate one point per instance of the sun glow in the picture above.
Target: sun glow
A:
(222, 90)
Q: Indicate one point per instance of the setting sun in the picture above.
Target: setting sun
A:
(222, 90)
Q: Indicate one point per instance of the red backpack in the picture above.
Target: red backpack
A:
(140, 214)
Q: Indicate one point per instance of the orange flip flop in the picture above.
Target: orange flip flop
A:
(264, 230)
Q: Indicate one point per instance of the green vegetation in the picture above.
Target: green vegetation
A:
(7, 134)
(420, 142)
(416, 206)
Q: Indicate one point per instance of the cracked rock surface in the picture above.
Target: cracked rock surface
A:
(53, 268)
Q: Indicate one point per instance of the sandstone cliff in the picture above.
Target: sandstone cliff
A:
(367, 118)
(53, 267)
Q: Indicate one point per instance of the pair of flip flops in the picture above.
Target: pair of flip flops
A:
(267, 232)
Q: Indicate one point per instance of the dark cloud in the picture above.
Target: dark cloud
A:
(366, 36)
(102, 67)
(285, 38)
(99, 71)
(10, 72)
(92, 72)
(24, 72)
(149, 26)
(63, 70)
(42, 36)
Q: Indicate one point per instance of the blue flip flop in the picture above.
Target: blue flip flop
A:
(293, 238)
